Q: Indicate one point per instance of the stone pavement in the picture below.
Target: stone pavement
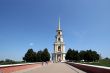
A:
(52, 68)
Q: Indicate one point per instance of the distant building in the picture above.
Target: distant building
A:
(59, 46)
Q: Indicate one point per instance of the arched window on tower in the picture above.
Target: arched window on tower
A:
(59, 48)
(59, 39)
(58, 33)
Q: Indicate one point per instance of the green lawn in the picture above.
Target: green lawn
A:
(102, 62)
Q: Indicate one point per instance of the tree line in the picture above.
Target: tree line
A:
(9, 61)
(71, 55)
(87, 56)
(40, 56)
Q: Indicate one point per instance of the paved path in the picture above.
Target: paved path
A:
(52, 68)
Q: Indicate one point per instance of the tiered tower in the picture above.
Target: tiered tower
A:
(59, 46)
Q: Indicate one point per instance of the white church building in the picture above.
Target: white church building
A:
(59, 46)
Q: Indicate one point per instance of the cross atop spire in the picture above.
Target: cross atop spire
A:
(59, 24)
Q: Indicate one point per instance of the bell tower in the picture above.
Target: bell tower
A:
(59, 46)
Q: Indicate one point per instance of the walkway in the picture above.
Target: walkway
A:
(52, 68)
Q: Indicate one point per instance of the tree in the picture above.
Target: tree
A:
(75, 55)
(89, 55)
(30, 56)
(72, 55)
(95, 56)
(45, 55)
(106, 58)
(39, 54)
(69, 55)
(82, 54)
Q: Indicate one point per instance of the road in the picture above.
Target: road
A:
(52, 68)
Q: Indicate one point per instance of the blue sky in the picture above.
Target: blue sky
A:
(28, 24)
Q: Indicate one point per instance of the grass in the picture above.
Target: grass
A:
(102, 62)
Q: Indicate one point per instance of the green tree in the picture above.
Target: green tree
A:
(39, 55)
(30, 56)
(89, 55)
(82, 54)
(75, 55)
(45, 55)
(95, 56)
(69, 55)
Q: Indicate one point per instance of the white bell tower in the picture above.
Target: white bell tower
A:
(59, 46)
